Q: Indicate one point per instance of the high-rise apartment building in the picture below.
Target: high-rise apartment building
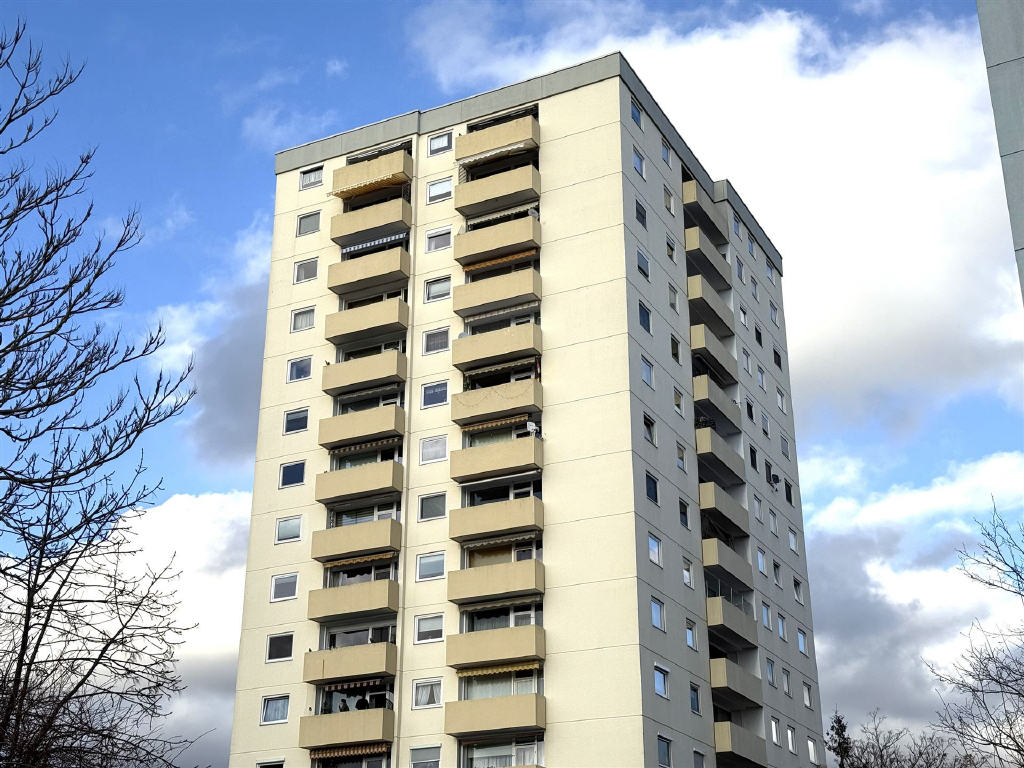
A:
(526, 486)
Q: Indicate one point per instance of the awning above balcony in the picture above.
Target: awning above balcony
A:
(370, 446)
(474, 220)
(512, 257)
(522, 600)
(496, 423)
(508, 149)
(372, 243)
(488, 543)
(502, 312)
(368, 185)
(354, 751)
(359, 560)
(359, 394)
(498, 670)
(501, 367)
(353, 684)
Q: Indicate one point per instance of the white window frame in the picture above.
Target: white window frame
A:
(295, 271)
(650, 429)
(661, 613)
(432, 439)
(673, 298)
(423, 392)
(780, 399)
(435, 233)
(421, 763)
(273, 582)
(423, 341)
(419, 560)
(775, 731)
(654, 548)
(687, 573)
(798, 590)
(643, 264)
(288, 369)
(801, 642)
(284, 421)
(451, 187)
(794, 541)
(690, 633)
(448, 145)
(426, 290)
(419, 506)
(641, 308)
(670, 196)
(280, 475)
(266, 650)
(657, 488)
(677, 401)
(668, 743)
(303, 185)
(658, 669)
(263, 708)
(301, 217)
(416, 628)
(791, 738)
(646, 364)
(638, 158)
(808, 695)
(695, 688)
(666, 153)
(277, 526)
(762, 566)
(635, 112)
(428, 681)
(312, 324)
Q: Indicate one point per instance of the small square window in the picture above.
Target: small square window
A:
(439, 143)
(650, 429)
(691, 635)
(293, 473)
(300, 368)
(636, 113)
(426, 693)
(647, 372)
(677, 401)
(274, 710)
(661, 682)
(664, 752)
(439, 190)
(430, 566)
(307, 224)
(666, 153)
(670, 249)
(296, 421)
(302, 319)
(695, 698)
(434, 394)
(433, 449)
(429, 629)
(305, 270)
(284, 586)
(638, 162)
(657, 614)
(279, 647)
(651, 487)
(425, 757)
(645, 317)
(673, 299)
(312, 177)
(687, 573)
(435, 341)
(680, 457)
(641, 214)
(437, 289)
(433, 506)
(643, 264)
(439, 239)
(288, 529)
(684, 514)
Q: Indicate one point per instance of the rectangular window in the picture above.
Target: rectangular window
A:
(673, 299)
(677, 401)
(761, 566)
(776, 573)
(765, 424)
(435, 341)
(695, 698)
(773, 522)
(657, 614)
(756, 503)
(740, 272)
(766, 615)
(649, 428)
(753, 456)
(433, 506)
(284, 586)
(750, 246)
(666, 153)
(300, 368)
(307, 224)
(636, 113)
(758, 336)
(801, 641)
(279, 647)
(791, 738)
(439, 190)
(274, 710)
(812, 752)
(775, 730)
(434, 394)
(735, 224)
(287, 529)
(792, 540)
(641, 214)
(425, 757)
(769, 272)
(746, 361)
(781, 621)
(785, 683)
(680, 457)
(798, 590)
(684, 514)
(442, 142)
(654, 549)
(638, 162)
(664, 752)
(784, 445)
(777, 358)
(670, 249)
(296, 421)
(647, 372)
(674, 348)
(433, 449)
(743, 317)
(769, 671)
(643, 264)
(430, 628)
(645, 316)
(753, 287)
(789, 491)
(430, 566)
(312, 177)
(807, 695)
(691, 635)
(687, 573)
(651, 487)
(293, 473)
(760, 377)
(305, 270)
(780, 399)
(302, 319)
(698, 759)
(439, 239)
(773, 311)
(670, 200)
(426, 693)
(437, 289)
(661, 682)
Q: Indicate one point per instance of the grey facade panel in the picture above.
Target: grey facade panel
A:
(1002, 30)
(1006, 83)
(1013, 176)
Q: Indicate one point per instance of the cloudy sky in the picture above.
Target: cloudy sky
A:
(859, 131)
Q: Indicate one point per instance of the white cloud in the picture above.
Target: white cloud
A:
(174, 217)
(822, 469)
(872, 165)
(251, 249)
(336, 68)
(273, 128)
(234, 96)
(185, 327)
(867, 7)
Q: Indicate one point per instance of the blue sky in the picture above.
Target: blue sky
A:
(858, 131)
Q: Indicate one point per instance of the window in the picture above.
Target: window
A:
(439, 190)
(760, 377)
(433, 449)
(695, 698)
(664, 752)
(680, 457)
(429, 629)
(636, 113)
(287, 529)
(777, 573)
(649, 429)
(791, 738)
(638, 162)
(651, 487)
(312, 177)
(740, 271)
(430, 566)
(641, 214)
(434, 394)
(691, 635)
(305, 270)
(302, 319)
(293, 473)
(750, 246)
(279, 647)
(296, 421)
(789, 491)
(753, 456)
(801, 641)
(274, 710)
(807, 696)
(758, 336)
(300, 368)
(798, 590)
(773, 311)
(766, 615)
(432, 506)
(647, 372)
(777, 358)
(773, 521)
(425, 757)
(785, 683)
(760, 562)
(735, 224)
(698, 759)
(283, 586)
(750, 410)
(673, 348)
(439, 239)
(758, 515)
(746, 361)
(643, 264)
(437, 289)
(426, 693)
(307, 224)
(784, 445)
(670, 200)
(666, 153)
(661, 681)
(769, 271)
(654, 549)
(645, 317)
(765, 424)
(670, 249)
(435, 341)
(775, 730)
(792, 540)
(781, 621)
(687, 573)
(743, 317)
(753, 287)
(442, 142)
(657, 614)
(812, 751)
(769, 671)
(677, 401)
(673, 299)
(684, 514)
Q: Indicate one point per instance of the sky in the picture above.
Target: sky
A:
(859, 132)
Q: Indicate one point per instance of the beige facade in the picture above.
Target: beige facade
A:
(495, 525)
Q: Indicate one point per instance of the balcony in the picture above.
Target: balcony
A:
(699, 206)
(354, 661)
(513, 236)
(361, 426)
(495, 646)
(718, 458)
(499, 292)
(380, 220)
(497, 346)
(389, 367)
(496, 519)
(371, 271)
(390, 316)
(388, 170)
(345, 728)
(378, 479)
(502, 714)
(498, 191)
(708, 307)
(359, 539)
(733, 687)
(523, 454)
(730, 627)
(710, 400)
(489, 582)
(703, 254)
(496, 402)
(521, 133)
(724, 510)
(353, 601)
(705, 345)
(727, 564)
(736, 747)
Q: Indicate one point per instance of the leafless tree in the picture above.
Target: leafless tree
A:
(88, 635)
